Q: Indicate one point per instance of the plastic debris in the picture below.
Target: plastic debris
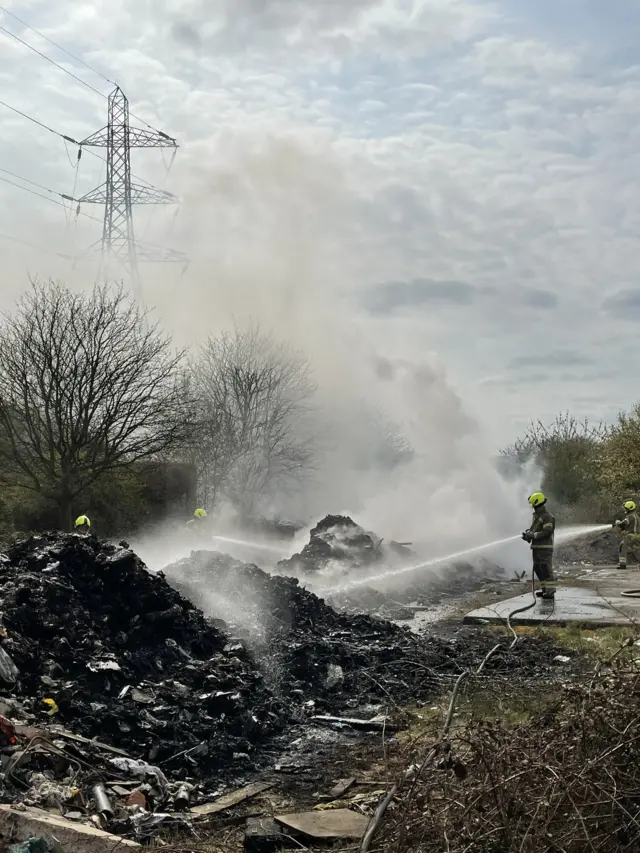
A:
(9, 672)
(147, 823)
(140, 769)
(335, 676)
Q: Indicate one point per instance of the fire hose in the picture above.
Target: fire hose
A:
(522, 610)
(376, 818)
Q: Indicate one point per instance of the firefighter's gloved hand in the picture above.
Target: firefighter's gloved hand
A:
(527, 536)
(616, 523)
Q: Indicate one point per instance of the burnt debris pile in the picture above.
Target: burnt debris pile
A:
(122, 703)
(599, 548)
(117, 653)
(337, 539)
(315, 657)
(339, 548)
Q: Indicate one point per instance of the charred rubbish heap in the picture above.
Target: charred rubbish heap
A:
(338, 539)
(109, 672)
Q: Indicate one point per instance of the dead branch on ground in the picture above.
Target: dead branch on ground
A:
(567, 781)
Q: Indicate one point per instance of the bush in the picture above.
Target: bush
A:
(119, 503)
(587, 471)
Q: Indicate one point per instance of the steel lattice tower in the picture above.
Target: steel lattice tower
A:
(118, 194)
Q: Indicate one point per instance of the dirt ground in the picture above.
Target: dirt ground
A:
(390, 684)
(313, 761)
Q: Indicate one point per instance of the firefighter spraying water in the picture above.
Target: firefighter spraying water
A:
(541, 538)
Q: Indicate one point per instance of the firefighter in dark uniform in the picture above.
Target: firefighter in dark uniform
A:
(629, 526)
(541, 535)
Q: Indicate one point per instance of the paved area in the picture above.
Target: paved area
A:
(593, 596)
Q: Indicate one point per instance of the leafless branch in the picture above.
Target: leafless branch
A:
(86, 387)
(253, 435)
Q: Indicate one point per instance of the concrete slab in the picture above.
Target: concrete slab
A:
(602, 606)
(336, 824)
(17, 823)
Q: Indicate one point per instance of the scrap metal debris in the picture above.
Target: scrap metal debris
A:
(263, 835)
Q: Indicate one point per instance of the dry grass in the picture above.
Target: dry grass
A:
(546, 769)
(556, 774)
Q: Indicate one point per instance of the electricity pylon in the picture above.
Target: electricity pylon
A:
(118, 194)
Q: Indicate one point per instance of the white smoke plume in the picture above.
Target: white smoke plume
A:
(264, 234)
(272, 229)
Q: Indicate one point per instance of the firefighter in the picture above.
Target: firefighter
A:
(199, 517)
(629, 526)
(82, 525)
(541, 535)
(198, 525)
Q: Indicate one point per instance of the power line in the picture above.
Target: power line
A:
(45, 197)
(55, 44)
(63, 196)
(63, 136)
(4, 236)
(62, 68)
(58, 203)
(36, 121)
(53, 62)
(27, 181)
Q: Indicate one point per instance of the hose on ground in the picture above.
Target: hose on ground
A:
(376, 819)
(521, 610)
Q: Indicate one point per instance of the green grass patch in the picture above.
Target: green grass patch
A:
(599, 643)
(512, 707)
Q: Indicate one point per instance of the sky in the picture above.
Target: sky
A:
(457, 180)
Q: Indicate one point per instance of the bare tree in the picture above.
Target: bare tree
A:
(253, 438)
(391, 447)
(86, 387)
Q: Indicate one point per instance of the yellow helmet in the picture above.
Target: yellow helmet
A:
(537, 499)
(630, 506)
(82, 521)
(200, 513)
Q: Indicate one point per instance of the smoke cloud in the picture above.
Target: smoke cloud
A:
(268, 228)
(274, 230)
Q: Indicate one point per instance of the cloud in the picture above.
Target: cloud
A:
(555, 358)
(624, 304)
(464, 156)
(419, 293)
(538, 298)
(342, 29)
(557, 378)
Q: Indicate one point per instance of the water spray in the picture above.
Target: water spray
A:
(258, 546)
(436, 561)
